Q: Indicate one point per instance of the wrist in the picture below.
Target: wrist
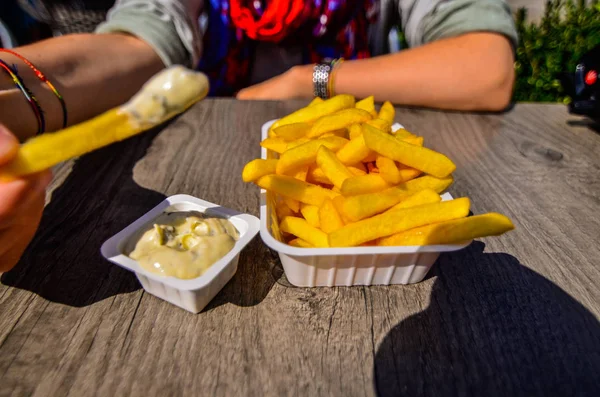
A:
(301, 78)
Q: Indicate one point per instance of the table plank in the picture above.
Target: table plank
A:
(514, 315)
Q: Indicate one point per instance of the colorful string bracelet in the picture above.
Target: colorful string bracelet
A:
(42, 77)
(33, 102)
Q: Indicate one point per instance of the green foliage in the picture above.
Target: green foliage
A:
(565, 33)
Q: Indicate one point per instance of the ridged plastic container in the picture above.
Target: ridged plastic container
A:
(193, 294)
(329, 267)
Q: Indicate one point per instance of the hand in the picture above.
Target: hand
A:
(295, 83)
(21, 206)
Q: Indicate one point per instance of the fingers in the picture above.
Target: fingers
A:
(8, 145)
(14, 240)
(17, 196)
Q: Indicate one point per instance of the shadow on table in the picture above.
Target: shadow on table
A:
(97, 200)
(593, 125)
(493, 328)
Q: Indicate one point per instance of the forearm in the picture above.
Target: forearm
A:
(469, 72)
(93, 72)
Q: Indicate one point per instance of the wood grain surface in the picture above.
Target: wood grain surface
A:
(516, 315)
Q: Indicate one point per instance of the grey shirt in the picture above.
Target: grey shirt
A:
(171, 26)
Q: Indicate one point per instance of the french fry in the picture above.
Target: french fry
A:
(301, 173)
(329, 219)
(257, 168)
(150, 107)
(407, 173)
(292, 204)
(298, 242)
(416, 140)
(392, 222)
(316, 101)
(293, 188)
(426, 196)
(402, 133)
(333, 168)
(300, 228)
(311, 214)
(381, 124)
(316, 175)
(342, 133)
(452, 231)
(388, 170)
(354, 130)
(367, 104)
(365, 205)
(306, 153)
(372, 168)
(357, 169)
(297, 142)
(282, 210)
(387, 112)
(363, 184)
(421, 158)
(338, 120)
(291, 132)
(278, 145)
(312, 113)
(354, 151)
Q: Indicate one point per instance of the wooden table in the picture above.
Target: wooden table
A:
(509, 316)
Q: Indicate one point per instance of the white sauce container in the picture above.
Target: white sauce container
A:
(329, 267)
(193, 294)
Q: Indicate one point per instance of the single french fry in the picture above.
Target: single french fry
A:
(357, 169)
(363, 184)
(402, 133)
(282, 210)
(421, 158)
(354, 151)
(257, 168)
(372, 168)
(416, 140)
(316, 101)
(342, 133)
(311, 214)
(333, 168)
(278, 145)
(306, 153)
(301, 173)
(293, 188)
(148, 108)
(298, 242)
(294, 205)
(381, 124)
(367, 104)
(387, 112)
(312, 113)
(329, 219)
(291, 132)
(407, 173)
(300, 228)
(316, 175)
(398, 221)
(338, 120)
(297, 142)
(388, 170)
(354, 130)
(365, 205)
(452, 231)
(427, 196)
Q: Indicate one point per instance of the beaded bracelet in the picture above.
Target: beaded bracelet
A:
(42, 77)
(323, 78)
(33, 102)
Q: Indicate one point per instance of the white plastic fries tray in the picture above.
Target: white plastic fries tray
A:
(328, 267)
(193, 294)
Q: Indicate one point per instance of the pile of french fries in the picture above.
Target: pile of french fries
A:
(340, 177)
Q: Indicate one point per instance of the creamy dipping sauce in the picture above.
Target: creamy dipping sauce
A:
(184, 244)
(169, 92)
